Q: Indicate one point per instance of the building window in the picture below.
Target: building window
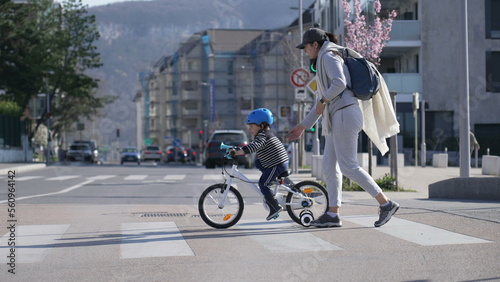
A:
(488, 137)
(493, 71)
(230, 68)
(492, 10)
(230, 86)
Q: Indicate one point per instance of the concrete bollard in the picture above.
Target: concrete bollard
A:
(491, 165)
(440, 160)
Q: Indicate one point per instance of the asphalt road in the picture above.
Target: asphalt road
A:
(123, 223)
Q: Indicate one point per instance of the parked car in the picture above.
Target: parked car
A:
(93, 148)
(152, 152)
(79, 152)
(175, 154)
(131, 154)
(213, 153)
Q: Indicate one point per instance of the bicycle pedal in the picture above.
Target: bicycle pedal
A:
(276, 216)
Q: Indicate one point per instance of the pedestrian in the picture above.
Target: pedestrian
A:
(473, 142)
(342, 121)
(271, 159)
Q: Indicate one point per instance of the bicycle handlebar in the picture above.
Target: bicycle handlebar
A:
(229, 154)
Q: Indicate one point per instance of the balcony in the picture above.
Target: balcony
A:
(405, 34)
(403, 82)
(190, 112)
(191, 95)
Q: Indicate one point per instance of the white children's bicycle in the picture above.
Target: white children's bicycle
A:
(221, 205)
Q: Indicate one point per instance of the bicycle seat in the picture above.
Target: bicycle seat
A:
(284, 174)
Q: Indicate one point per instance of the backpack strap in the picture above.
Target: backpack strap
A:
(345, 55)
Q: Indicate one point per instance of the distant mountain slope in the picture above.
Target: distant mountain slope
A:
(134, 35)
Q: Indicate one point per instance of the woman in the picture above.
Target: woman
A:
(342, 122)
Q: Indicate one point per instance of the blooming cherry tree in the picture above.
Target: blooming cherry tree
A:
(366, 39)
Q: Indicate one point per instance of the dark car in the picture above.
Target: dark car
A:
(175, 154)
(130, 154)
(93, 148)
(191, 155)
(213, 153)
(79, 152)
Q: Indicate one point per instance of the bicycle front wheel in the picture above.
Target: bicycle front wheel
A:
(312, 202)
(218, 217)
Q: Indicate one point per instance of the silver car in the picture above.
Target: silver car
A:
(152, 153)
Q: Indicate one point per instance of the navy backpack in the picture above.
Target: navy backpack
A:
(364, 76)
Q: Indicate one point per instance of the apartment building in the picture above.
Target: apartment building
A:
(423, 56)
(215, 79)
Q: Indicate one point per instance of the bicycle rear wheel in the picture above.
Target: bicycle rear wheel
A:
(225, 217)
(314, 203)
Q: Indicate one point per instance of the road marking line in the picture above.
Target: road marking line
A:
(25, 178)
(152, 239)
(101, 177)
(33, 242)
(282, 237)
(417, 233)
(174, 177)
(61, 178)
(213, 177)
(54, 193)
(135, 177)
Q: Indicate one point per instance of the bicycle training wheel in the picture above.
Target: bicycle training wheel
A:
(315, 202)
(224, 217)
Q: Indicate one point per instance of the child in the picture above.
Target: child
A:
(271, 159)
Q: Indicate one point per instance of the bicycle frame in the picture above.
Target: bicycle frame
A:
(252, 184)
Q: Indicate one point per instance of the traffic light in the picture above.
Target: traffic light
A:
(312, 129)
(312, 66)
(117, 132)
(200, 133)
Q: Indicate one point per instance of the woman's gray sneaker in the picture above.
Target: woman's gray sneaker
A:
(386, 213)
(327, 221)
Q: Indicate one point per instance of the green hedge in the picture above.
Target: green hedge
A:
(9, 108)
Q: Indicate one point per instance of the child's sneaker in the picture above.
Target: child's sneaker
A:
(274, 207)
(327, 221)
(386, 213)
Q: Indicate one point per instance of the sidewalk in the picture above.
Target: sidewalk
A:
(19, 167)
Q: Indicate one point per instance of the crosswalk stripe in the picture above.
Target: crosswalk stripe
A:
(212, 177)
(135, 177)
(61, 178)
(25, 178)
(288, 240)
(33, 242)
(174, 177)
(101, 177)
(417, 233)
(152, 239)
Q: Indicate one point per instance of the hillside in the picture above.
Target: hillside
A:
(134, 35)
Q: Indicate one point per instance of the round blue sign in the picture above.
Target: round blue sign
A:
(177, 142)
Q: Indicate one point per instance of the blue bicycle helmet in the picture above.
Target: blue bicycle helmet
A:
(259, 116)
